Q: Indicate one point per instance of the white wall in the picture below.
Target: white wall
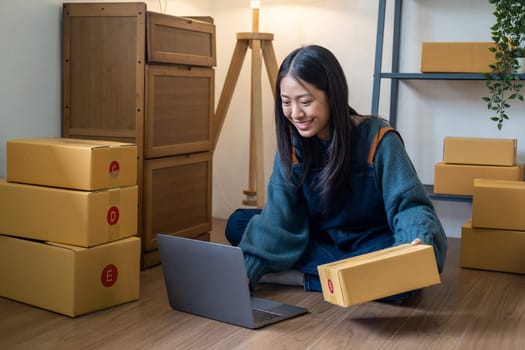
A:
(428, 110)
(29, 71)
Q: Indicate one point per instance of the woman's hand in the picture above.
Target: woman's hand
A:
(416, 241)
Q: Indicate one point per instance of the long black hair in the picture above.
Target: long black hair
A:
(318, 66)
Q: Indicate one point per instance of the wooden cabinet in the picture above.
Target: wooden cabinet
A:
(148, 78)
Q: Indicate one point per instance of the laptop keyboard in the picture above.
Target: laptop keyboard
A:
(261, 315)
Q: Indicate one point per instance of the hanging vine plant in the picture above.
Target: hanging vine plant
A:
(503, 81)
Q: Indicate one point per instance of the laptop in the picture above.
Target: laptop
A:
(209, 279)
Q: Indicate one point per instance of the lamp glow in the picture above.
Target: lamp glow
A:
(256, 5)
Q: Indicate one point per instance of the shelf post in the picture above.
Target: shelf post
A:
(378, 57)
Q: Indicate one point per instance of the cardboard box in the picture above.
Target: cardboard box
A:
(498, 204)
(490, 249)
(379, 274)
(67, 216)
(479, 151)
(458, 179)
(69, 280)
(456, 57)
(72, 163)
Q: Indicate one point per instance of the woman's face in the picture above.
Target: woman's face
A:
(306, 107)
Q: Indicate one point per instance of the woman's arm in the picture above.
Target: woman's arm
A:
(276, 239)
(409, 210)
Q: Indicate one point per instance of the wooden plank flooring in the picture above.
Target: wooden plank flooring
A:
(470, 309)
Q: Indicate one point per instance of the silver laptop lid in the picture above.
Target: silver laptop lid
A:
(206, 279)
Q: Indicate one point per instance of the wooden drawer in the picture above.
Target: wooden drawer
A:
(177, 197)
(180, 40)
(103, 70)
(179, 109)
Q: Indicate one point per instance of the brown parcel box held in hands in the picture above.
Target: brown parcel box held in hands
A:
(479, 151)
(67, 279)
(491, 249)
(378, 274)
(73, 217)
(72, 163)
(498, 204)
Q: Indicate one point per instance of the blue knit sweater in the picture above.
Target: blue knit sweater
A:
(276, 239)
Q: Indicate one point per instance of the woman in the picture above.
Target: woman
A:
(342, 184)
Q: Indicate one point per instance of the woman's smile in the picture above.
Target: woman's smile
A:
(303, 124)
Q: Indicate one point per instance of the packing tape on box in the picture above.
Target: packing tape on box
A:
(113, 215)
(114, 167)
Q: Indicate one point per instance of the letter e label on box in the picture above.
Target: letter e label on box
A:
(109, 275)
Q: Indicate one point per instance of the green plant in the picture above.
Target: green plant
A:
(503, 81)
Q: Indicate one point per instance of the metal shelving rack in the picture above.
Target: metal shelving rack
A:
(395, 76)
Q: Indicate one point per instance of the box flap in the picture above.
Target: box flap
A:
(505, 184)
(73, 248)
(378, 255)
(70, 142)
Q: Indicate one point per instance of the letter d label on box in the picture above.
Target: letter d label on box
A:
(113, 216)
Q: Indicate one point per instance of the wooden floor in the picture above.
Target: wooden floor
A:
(470, 309)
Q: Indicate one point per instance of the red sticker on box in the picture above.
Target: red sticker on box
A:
(113, 215)
(331, 286)
(109, 275)
(114, 168)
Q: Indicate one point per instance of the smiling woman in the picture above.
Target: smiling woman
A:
(342, 183)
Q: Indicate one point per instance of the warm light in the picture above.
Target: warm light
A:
(256, 5)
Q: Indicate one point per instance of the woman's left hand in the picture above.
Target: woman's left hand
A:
(416, 241)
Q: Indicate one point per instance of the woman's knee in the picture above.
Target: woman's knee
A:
(237, 223)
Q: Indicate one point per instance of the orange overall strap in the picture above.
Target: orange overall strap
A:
(375, 142)
(294, 156)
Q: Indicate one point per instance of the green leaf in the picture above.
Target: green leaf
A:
(508, 34)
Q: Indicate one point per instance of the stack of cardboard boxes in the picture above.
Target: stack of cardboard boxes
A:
(68, 220)
(465, 159)
(495, 237)
(486, 169)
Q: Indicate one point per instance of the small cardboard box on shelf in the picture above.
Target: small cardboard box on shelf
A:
(456, 57)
